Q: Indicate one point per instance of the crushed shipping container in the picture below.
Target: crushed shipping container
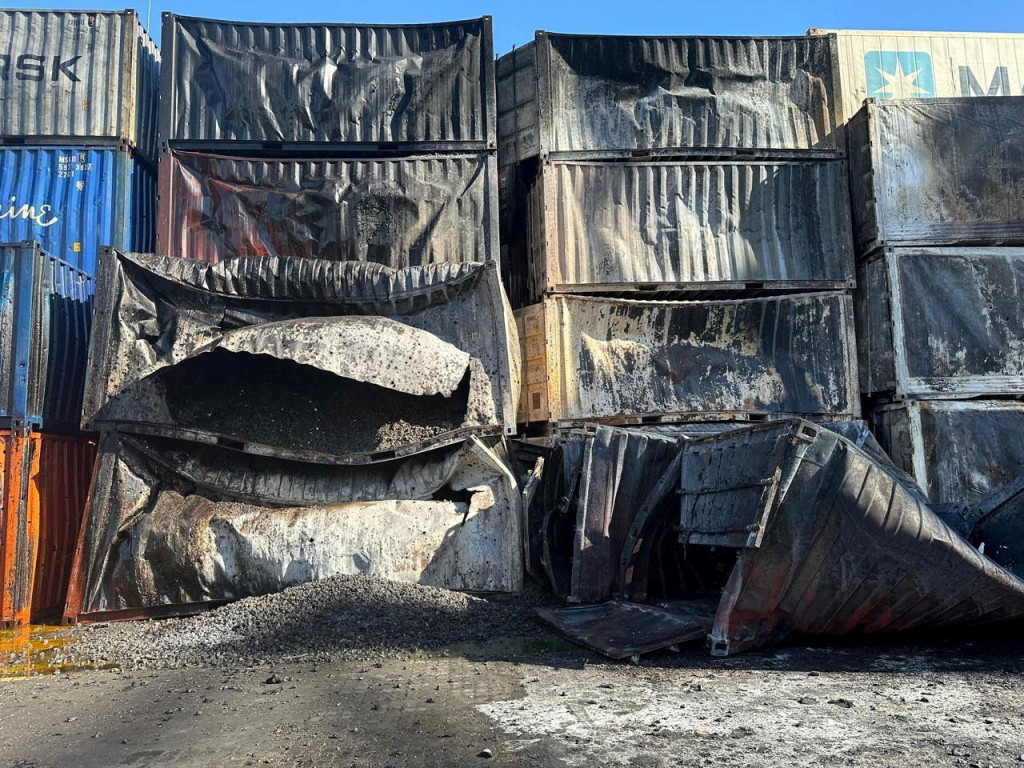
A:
(424, 85)
(587, 358)
(301, 358)
(75, 200)
(628, 227)
(45, 319)
(45, 484)
(958, 451)
(941, 322)
(72, 76)
(937, 172)
(399, 212)
(781, 532)
(600, 94)
(877, 64)
(175, 525)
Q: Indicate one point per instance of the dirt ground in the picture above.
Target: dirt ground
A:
(538, 702)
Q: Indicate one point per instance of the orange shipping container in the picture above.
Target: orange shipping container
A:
(45, 482)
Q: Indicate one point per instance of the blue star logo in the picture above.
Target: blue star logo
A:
(899, 74)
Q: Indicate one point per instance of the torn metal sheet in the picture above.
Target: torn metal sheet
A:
(172, 523)
(399, 212)
(300, 358)
(357, 83)
(591, 358)
(941, 322)
(620, 630)
(999, 526)
(601, 93)
(938, 172)
(959, 452)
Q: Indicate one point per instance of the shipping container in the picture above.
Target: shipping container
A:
(621, 227)
(45, 485)
(941, 322)
(45, 318)
(74, 200)
(959, 451)
(78, 76)
(875, 64)
(625, 361)
(412, 85)
(399, 212)
(619, 94)
(938, 172)
(332, 362)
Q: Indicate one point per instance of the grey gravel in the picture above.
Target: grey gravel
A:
(343, 617)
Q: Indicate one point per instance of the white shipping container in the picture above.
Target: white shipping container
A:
(905, 65)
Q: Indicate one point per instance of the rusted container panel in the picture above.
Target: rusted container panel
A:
(396, 212)
(146, 547)
(73, 75)
(958, 451)
(317, 83)
(45, 319)
(45, 484)
(624, 227)
(941, 322)
(938, 172)
(301, 358)
(596, 358)
(588, 93)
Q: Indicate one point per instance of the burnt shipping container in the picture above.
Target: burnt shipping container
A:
(625, 361)
(941, 322)
(78, 75)
(413, 85)
(958, 451)
(938, 172)
(626, 227)
(45, 318)
(618, 94)
(45, 482)
(75, 200)
(399, 212)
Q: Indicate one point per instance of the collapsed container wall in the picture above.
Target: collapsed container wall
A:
(590, 358)
(373, 360)
(941, 322)
(71, 75)
(938, 172)
(958, 451)
(875, 64)
(316, 83)
(623, 227)
(589, 93)
(45, 321)
(75, 200)
(45, 483)
(173, 525)
(399, 212)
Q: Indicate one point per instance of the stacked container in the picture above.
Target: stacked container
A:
(938, 188)
(78, 105)
(676, 234)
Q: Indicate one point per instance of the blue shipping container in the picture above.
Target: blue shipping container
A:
(45, 321)
(75, 200)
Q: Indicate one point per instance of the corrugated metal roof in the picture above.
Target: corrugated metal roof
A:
(398, 212)
(327, 82)
(76, 75)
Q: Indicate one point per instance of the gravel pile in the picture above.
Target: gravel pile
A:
(343, 617)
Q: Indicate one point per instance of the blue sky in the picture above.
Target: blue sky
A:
(515, 22)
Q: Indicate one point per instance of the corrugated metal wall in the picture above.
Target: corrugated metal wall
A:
(75, 200)
(399, 211)
(234, 81)
(77, 74)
